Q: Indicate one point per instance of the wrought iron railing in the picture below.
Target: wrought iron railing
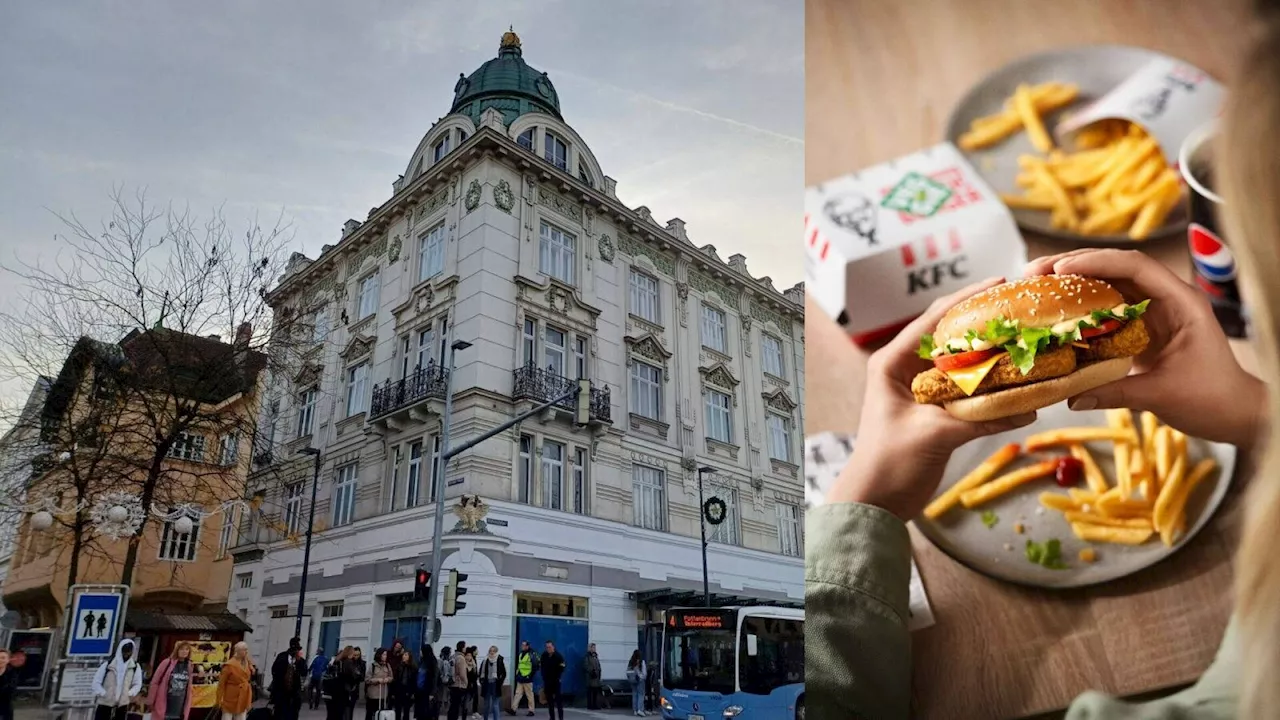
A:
(534, 383)
(431, 381)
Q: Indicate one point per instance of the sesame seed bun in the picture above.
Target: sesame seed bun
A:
(1028, 398)
(1033, 302)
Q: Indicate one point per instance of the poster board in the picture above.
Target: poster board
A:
(207, 656)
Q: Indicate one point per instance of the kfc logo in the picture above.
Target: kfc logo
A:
(854, 213)
(934, 270)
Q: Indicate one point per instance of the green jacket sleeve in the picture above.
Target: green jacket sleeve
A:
(857, 649)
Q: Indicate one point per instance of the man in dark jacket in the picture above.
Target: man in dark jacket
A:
(591, 668)
(552, 670)
(287, 673)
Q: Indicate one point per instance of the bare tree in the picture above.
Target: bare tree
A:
(154, 328)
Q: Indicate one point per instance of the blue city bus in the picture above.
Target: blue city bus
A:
(735, 662)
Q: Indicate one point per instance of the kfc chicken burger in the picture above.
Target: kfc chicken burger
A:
(1028, 344)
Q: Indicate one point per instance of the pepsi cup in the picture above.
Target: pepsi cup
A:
(1212, 262)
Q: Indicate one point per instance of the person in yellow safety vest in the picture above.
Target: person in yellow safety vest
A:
(526, 666)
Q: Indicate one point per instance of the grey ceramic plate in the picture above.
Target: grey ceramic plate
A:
(1096, 69)
(961, 534)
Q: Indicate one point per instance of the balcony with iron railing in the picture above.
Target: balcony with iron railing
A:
(534, 383)
(425, 382)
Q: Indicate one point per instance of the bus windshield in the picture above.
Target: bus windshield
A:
(699, 659)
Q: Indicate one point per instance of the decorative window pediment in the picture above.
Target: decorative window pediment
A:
(719, 375)
(648, 346)
(778, 400)
(309, 375)
(559, 299)
(359, 346)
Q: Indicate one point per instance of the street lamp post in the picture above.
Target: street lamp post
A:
(438, 477)
(306, 554)
(702, 522)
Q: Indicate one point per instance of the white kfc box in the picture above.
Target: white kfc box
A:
(1167, 98)
(884, 243)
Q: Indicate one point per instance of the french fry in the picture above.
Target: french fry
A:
(1124, 478)
(1112, 507)
(1153, 213)
(1061, 503)
(1123, 168)
(1001, 485)
(1082, 496)
(1163, 452)
(1104, 533)
(976, 477)
(1150, 423)
(987, 131)
(1177, 507)
(1075, 516)
(1168, 180)
(1092, 473)
(1160, 514)
(1077, 435)
(1026, 108)
(1061, 200)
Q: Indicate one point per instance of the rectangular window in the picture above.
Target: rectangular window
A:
(719, 416)
(580, 356)
(553, 351)
(426, 347)
(727, 531)
(244, 580)
(437, 472)
(790, 522)
(555, 151)
(646, 390)
(226, 531)
(320, 325)
(344, 495)
(279, 611)
(188, 446)
(332, 610)
(526, 139)
(442, 333)
(779, 436)
(405, 345)
(431, 253)
(393, 497)
(229, 449)
(526, 468)
(644, 296)
(441, 149)
(580, 481)
(557, 254)
(415, 476)
(358, 389)
(771, 349)
(293, 508)
(648, 497)
(530, 337)
(713, 335)
(552, 475)
(367, 297)
(180, 546)
(306, 411)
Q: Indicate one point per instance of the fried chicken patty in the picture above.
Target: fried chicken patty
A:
(933, 387)
(1128, 341)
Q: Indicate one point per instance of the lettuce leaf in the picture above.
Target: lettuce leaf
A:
(926, 347)
(1133, 312)
(1047, 554)
(999, 328)
(1030, 341)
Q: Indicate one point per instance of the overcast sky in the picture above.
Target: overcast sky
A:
(313, 108)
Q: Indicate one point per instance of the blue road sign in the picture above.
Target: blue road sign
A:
(93, 624)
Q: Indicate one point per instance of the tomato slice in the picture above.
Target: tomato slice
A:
(964, 359)
(1103, 329)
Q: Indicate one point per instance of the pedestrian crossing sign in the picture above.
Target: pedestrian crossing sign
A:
(94, 618)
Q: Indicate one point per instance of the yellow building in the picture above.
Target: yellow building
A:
(162, 420)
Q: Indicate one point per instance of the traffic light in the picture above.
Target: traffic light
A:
(422, 584)
(452, 590)
(583, 411)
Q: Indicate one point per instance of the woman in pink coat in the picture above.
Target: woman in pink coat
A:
(170, 692)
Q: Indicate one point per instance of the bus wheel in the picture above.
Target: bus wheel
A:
(800, 708)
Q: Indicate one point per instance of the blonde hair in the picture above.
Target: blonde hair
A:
(178, 647)
(248, 662)
(1249, 176)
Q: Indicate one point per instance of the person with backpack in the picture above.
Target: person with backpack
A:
(637, 675)
(116, 683)
(428, 679)
(526, 666)
(319, 664)
(493, 675)
(446, 679)
(458, 685)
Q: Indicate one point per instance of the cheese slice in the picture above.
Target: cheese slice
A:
(969, 378)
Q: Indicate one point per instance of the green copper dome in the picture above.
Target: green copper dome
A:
(507, 84)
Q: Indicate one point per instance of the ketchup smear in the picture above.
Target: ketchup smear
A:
(1068, 472)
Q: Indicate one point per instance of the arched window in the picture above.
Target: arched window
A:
(584, 175)
(526, 139)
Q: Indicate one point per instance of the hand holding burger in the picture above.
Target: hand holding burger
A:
(1028, 344)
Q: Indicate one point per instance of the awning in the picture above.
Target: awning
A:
(673, 597)
(142, 621)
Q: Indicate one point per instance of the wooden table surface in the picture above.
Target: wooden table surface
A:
(881, 78)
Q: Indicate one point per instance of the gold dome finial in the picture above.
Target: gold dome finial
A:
(510, 39)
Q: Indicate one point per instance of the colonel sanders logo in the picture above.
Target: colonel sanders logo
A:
(855, 214)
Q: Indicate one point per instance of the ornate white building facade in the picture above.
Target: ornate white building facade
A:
(505, 232)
